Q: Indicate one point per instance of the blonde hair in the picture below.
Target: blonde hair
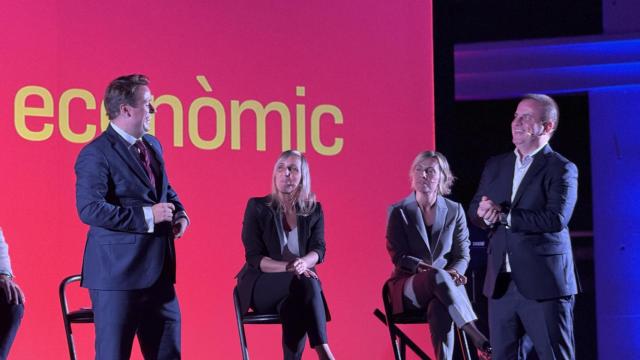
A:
(446, 178)
(305, 198)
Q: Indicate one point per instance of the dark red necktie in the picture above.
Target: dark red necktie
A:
(145, 159)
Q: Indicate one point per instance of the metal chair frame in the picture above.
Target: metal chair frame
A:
(80, 316)
(399, 340)
(250, 317)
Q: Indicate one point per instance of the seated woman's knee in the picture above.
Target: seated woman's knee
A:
(433, 276)
(306, 287)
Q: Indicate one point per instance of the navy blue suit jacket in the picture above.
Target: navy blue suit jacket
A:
(538, 239)
(111, 190)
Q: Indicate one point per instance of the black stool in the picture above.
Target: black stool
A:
(82, 315)
(399, 340)
(250, 317)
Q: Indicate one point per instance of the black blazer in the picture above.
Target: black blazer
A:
(261, 237)
(111, 190)
(538, 239)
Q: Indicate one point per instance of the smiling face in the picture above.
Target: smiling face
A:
(139, 115)
(288, 174)
(426, 176)
(529, 130)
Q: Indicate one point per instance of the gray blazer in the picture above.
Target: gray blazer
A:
(408, 242)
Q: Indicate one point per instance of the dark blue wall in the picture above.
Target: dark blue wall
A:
(615, 164)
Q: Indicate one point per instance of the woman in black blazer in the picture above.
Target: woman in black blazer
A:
(428, 241)
(283, 237)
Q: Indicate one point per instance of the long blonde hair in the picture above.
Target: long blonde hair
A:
(305, 198)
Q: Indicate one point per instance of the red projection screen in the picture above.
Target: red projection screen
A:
(235, 82)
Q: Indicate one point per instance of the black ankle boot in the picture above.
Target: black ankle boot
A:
(484, 351)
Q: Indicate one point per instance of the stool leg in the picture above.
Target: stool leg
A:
(396, 343)
(70, 344)
(464, 344)
(403, 350)
(243, 342)
(240, 324)
(243, 339)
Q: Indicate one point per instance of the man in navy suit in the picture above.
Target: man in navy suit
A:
(123, 194)
(526, 199)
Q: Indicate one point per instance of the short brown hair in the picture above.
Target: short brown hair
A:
(122, 91)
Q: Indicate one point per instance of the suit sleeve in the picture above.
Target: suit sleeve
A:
(173, 198)
(475, 201)
(92, 186)
(561, 196)
(254, 247)
(317, 243)
(460, 244)
(397, 242)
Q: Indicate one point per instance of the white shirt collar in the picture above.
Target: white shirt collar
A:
(527, 157)
(130, 139)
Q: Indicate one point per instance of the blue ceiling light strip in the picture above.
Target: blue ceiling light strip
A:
(506, 70)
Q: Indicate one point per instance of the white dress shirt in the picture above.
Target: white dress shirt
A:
(291, 239)
(520, 169)
(5, 261)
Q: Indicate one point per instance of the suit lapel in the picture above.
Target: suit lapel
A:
(414, 213)
(438, 224)
(539, 160)
(506, 176)
(277, 220)
(120, 147)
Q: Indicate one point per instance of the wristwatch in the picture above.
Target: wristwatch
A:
(503, 219)
(7, 275)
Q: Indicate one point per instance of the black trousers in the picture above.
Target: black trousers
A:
(300, 305)
(10, 318)
(516, 323)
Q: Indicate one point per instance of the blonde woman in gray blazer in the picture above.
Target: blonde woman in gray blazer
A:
(428, 241)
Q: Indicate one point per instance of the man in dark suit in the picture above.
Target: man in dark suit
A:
(123, 194)
(526, 199)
